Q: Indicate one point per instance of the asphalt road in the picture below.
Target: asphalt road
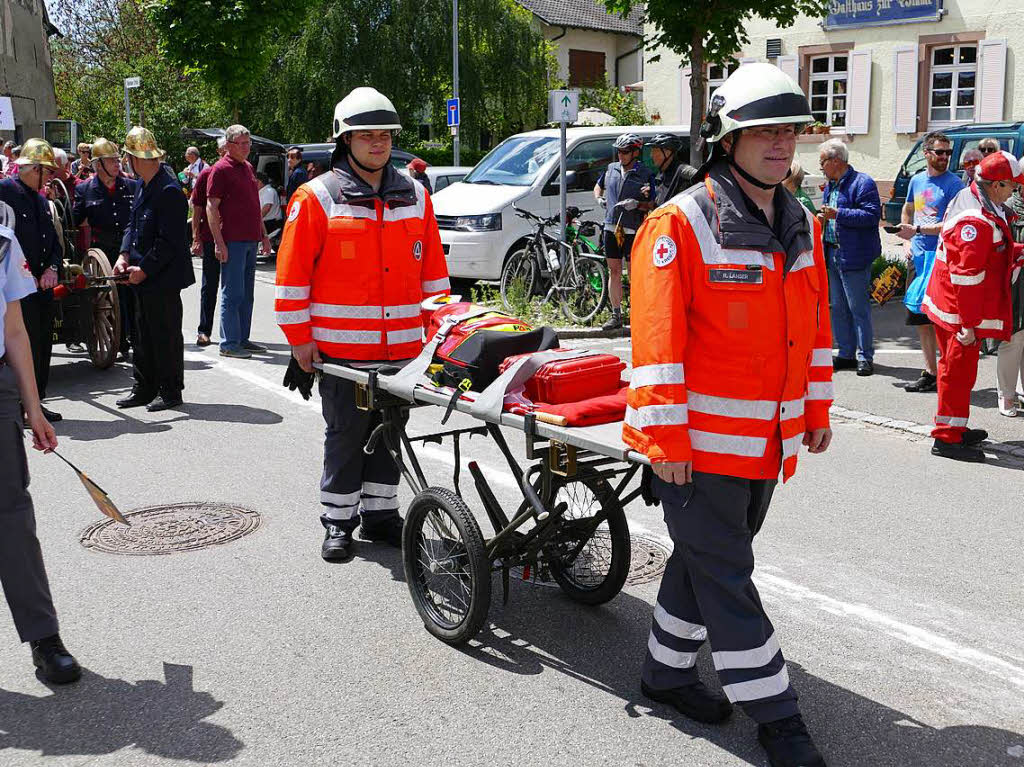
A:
(893, 579)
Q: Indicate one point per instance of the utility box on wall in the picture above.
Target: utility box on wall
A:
(62, 133)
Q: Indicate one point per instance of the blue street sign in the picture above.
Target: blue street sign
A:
(871, 13)
(453, 113)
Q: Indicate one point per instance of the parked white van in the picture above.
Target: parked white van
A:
(479, 228)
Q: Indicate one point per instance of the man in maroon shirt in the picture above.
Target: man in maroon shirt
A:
(202, 242)
(233, 210)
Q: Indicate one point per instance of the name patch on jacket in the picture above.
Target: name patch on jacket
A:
(750, 275)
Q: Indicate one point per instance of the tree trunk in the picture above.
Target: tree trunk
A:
(698, 99)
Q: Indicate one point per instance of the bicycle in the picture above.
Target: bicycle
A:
(579, 279)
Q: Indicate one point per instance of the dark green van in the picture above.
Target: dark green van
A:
(1011, 138)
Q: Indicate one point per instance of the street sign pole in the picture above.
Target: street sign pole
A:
(561, 190)
(129, 83)
(455, 70)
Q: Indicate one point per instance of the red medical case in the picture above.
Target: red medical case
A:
(561, 381)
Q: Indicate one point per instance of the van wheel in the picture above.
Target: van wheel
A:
(463, 287)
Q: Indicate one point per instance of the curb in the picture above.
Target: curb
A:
(573, 333)
(917, 430)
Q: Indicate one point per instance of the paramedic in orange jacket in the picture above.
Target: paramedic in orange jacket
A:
(732, 369)
(359, 253)
(968, 296)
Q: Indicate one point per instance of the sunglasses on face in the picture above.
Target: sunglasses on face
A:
(989, 150)
(941, 152)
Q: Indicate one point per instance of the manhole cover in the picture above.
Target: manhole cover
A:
(169, 529)
(648, 557)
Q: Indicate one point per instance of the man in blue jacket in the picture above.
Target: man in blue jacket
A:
(850, 217)
(156, 259)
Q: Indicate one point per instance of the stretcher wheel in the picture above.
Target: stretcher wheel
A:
(589, 282)
(518, 278)
(589, 512)
(446, 565)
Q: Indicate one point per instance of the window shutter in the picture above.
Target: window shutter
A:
(858, 102)
(904, 89)
(790, 64)
(684, 96)
(992, 81)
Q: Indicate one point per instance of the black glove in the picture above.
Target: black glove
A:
(297, 378)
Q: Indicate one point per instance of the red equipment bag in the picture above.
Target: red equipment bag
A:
(581, 378)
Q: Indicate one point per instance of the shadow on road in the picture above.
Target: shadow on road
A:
(542, 630)
(101, 716)
(229, 413)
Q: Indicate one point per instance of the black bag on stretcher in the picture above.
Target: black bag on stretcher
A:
(471, 353)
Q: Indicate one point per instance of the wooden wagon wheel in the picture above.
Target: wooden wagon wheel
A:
(104, 338)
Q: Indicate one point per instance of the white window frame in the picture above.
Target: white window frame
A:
(954, 70)
(831, 77)
(717, 82)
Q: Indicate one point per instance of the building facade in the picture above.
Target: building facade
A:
(25, 67)
(591, 45)
(879, 73)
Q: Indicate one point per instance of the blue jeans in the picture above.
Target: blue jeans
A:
(237, 283)
(851, 309)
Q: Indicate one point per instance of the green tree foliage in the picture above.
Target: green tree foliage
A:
(624, 108)
(712, 31)
(229, 42)
(106, 41)
(403, 48)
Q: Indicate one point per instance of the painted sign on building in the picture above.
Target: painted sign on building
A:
(844, 14)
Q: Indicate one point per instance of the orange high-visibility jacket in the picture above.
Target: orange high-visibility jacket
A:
(354, 266)
(732, 346)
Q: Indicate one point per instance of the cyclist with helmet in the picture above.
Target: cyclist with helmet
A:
(625, 190)
(674, 175)
(732, 370)
(359, 254)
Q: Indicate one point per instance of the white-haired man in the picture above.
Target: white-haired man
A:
(850, 217)
(233, 210)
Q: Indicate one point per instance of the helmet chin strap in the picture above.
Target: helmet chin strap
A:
(352, 159)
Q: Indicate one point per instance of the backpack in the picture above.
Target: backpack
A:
(470, 354)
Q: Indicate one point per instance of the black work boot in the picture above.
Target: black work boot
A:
(958, 451)
(926, 383)
(614, 322)
(388, 530)
(694, 700)
(974, 436)
(54, 661)
(337, 545)
(789, 744)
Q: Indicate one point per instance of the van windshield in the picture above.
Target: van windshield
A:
(515, 161)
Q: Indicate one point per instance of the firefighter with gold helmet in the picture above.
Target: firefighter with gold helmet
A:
(103, 202)
(732, 368)
(38, 237)
(154, 256)
(360, 252)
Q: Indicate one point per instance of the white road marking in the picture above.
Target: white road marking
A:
(770, 583)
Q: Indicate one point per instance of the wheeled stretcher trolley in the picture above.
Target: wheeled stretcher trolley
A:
(570, 526)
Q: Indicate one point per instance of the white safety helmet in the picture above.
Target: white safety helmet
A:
(755, 94)
(365, 109)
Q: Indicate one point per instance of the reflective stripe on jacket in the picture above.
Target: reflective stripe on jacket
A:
(354, 266)
(970, 282)
(732, 346)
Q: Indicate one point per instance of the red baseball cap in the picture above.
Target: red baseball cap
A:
(1001, 166)
(417, 165)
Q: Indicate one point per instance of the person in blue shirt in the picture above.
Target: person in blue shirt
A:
(929, 194)
(625, 189)
(22, 571)
(850, 215)
(297, 175)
